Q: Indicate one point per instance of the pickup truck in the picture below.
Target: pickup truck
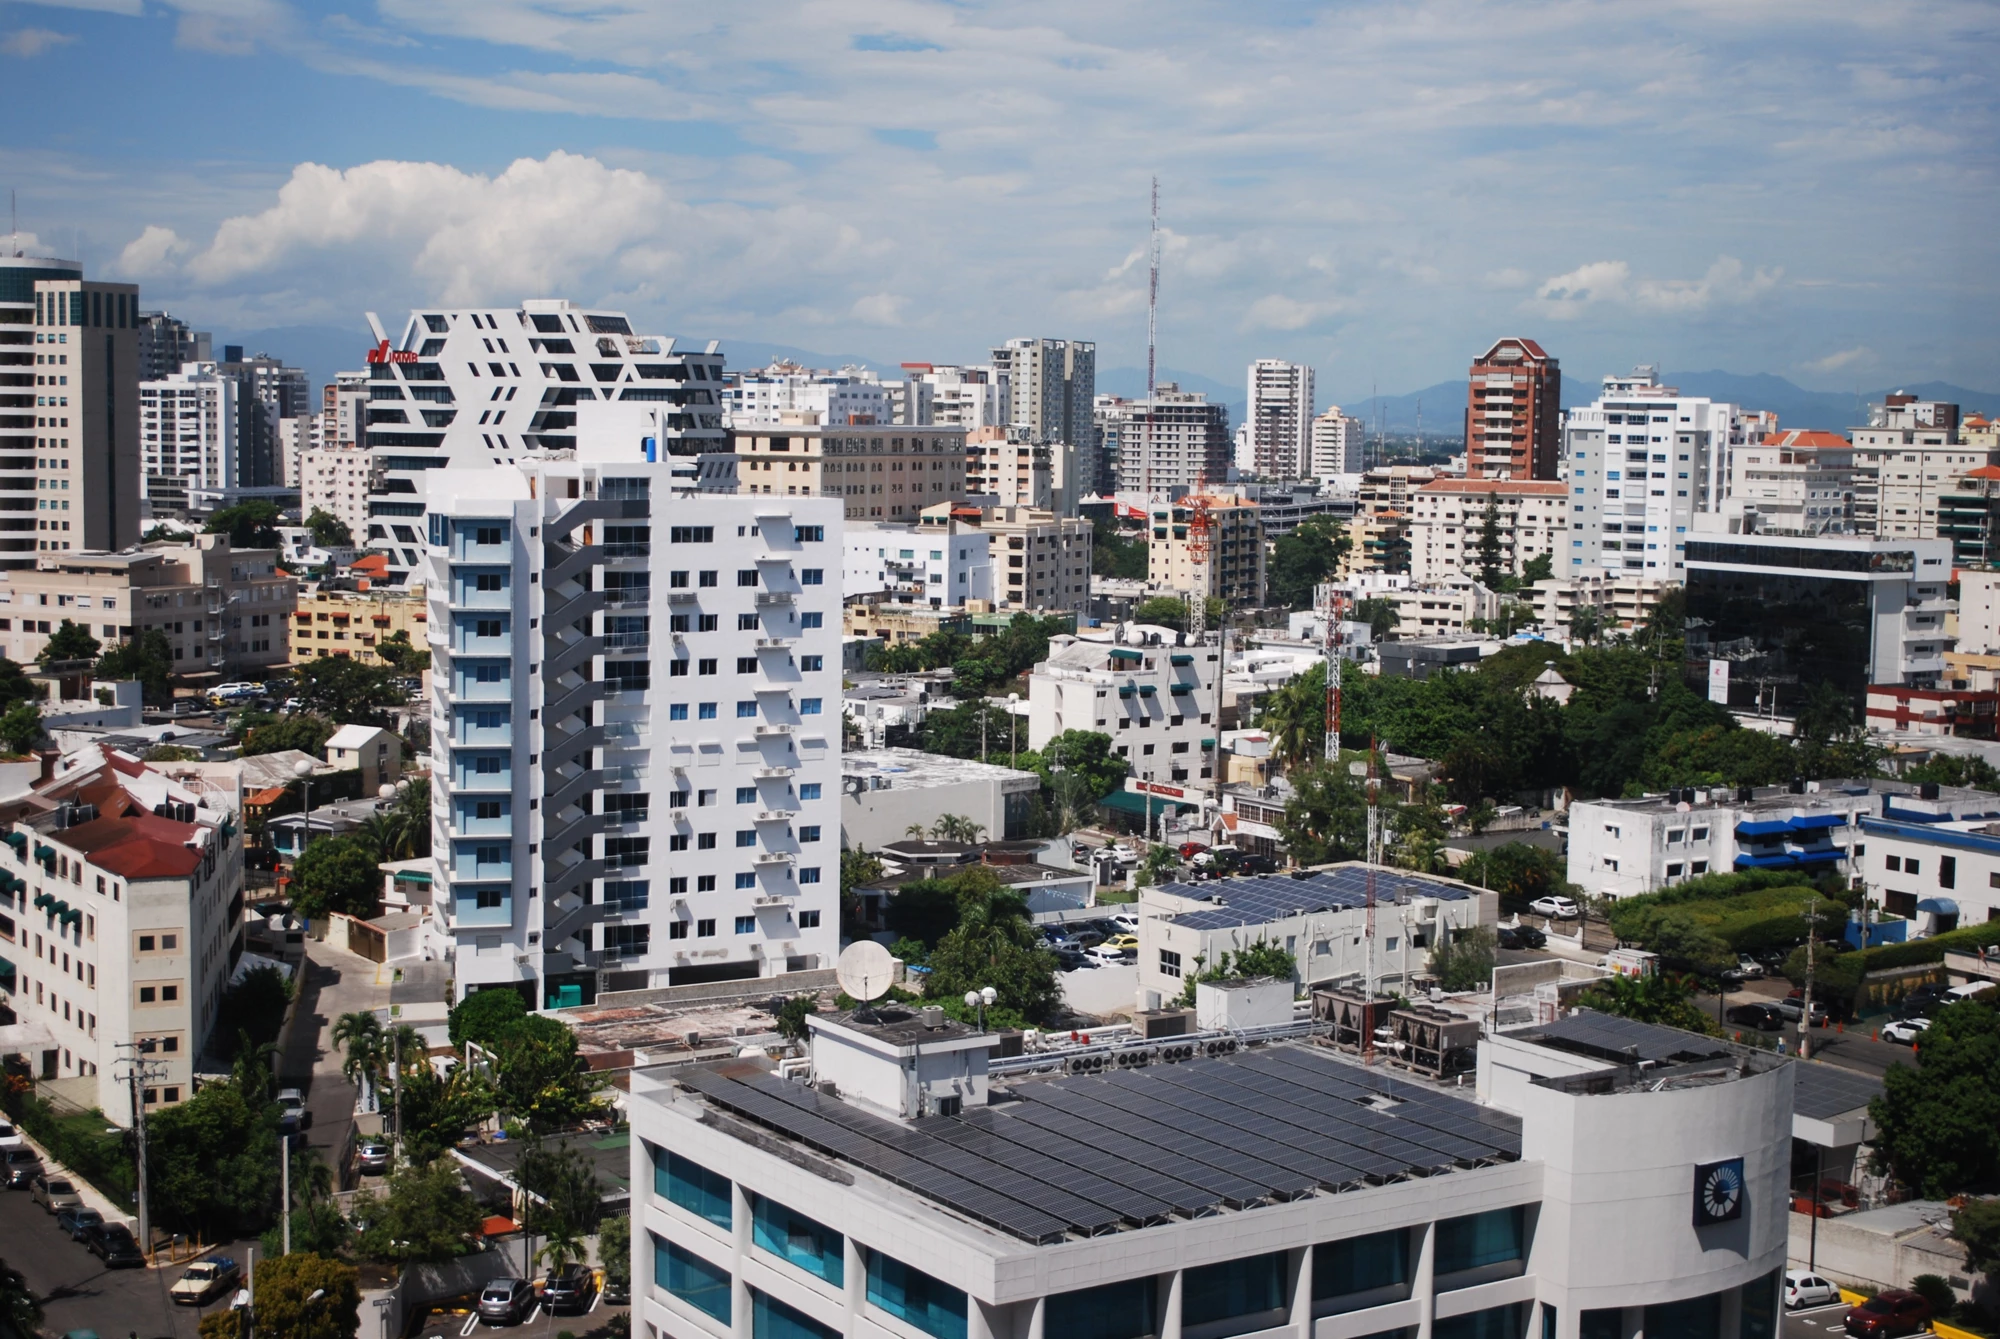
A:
(205, 1280)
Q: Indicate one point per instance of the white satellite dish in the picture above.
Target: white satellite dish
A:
(865, 971)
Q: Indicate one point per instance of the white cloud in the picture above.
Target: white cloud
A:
(31, 42)
(1275, 311)
(880, 309)
(154, 251)
(1513, 276)
(1859, 355)
(1610, 283)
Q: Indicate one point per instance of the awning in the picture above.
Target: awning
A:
(1813, 822)
(1181, 658)
(1938, 906)
(1126, 653)
(1131, 802)
(1181, 689)
(1208, 743)
(1773, 828)
(17, 840)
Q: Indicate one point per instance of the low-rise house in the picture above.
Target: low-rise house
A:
(886, 792)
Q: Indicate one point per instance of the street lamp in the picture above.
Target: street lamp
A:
(1013, 725)
(981, 1000)
(303, 769)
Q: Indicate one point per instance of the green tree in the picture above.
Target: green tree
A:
(1490, 559)
(1379, 613)
(1327, 817)
(1171, 611)
(255, 1006)
(1950, 769)
(249, 525)
(1116, 555)
(1302, 559)
(69, 642)
(286, 1303)
(1541, 567)
(1466, 961)
(427, 1216)
(993, 944)
(1656, 998)
(539, 1077)
(441, 1110)
(1520, 873)
(359, 1036)
(348, 692)
(20, 1314)
(1976, 1226)
(317, 1224)
(171, 753)
(1078, 768)
(397, 652)
(212, 1165)
(328, 530)
(1586, 623)
(21, 727)
(147, 659)
(1940, 1122)
(967, 730)
(220, 1325)
(792, 1015)
(336, 874)
(957, 828)
(614, 1249)
(485, 1015)
(274, 734)
(565, 1186)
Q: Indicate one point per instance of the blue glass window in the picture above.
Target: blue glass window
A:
(1233, 1288)
(915, 1298)
(694, 1280)
(746, 795)
(772, 1319)
(693, 1187)
(677, 711)
(809, 875)
(1500, 1322)
(809, 790)
(810, 620)
(1128, 1310)
(809, 706)
(809, 832)
(746, 709)
(746, 836)
(1480, 1240)
(797, 1239)
(707, 712)
(809, 663)
(1361, 1264)
(745, 881)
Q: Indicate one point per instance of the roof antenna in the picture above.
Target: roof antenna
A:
(13, 223)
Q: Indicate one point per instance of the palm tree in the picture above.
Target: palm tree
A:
(361, 1034)
(916, 830)
(563, 1243)
(412, 814)
(383, 835)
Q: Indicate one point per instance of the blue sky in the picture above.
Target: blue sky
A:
(1380, 190)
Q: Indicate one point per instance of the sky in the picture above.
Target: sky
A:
(1800, 187)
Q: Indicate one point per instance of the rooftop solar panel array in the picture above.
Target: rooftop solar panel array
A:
(1609, 1037)
(1078, 1156)
(1823, 1091)
(1257, 901)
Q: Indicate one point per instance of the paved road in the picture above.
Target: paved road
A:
(77, 1292)
(334, 982)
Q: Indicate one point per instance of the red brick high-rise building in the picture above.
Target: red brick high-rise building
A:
(1513, 413)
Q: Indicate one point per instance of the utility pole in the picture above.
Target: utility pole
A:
(285, 1176)
(1805, 1012)
(399, 1095)
(138, 1073)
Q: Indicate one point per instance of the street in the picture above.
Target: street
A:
(332, 982)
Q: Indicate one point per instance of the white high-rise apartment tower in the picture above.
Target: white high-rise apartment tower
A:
(1337, 442)
(1280, 418)
(188, 439)
(636, 724)
(475, 389)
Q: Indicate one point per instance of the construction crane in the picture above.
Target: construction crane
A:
(1199, 527)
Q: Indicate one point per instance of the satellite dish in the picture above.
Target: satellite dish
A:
(865, 971)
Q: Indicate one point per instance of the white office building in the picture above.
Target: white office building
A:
(1147, 687)
(636, 725)
(905, 1180)
(1641, 462)
(188, 436)
(1280, 416)
(948, 395)
(1619, 848)
(335, 480)
(941, 566)
(474, 389)
(1337, 442)
(853, 395)
(1051, 385)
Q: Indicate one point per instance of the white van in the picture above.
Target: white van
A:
(1967, 991)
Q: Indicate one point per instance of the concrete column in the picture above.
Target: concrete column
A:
(1170, 1306)
(978, 1320)
(1302, 1290)
(1732, 1314)
(855, 1270)
(1423, 1280)
(1633, 1322)
(739, 1291)
(1038, 1319)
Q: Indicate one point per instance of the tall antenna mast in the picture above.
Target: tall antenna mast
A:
(1153, 290)
(1330, 606)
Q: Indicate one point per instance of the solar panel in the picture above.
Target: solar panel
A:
(1613, 1038)
(1257, 900)
(1824, 1091)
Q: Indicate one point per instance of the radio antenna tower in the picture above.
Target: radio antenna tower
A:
(1330, 603)
(1153, 290)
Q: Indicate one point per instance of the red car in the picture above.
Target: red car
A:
(1189, 850)
(1888, 1314)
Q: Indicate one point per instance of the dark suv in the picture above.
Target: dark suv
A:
(568, 1289)
(113, 1244)
(19, 1167)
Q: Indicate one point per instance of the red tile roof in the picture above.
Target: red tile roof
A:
(1808, 439)
(1481, 487)
(1984, 472)
(136, 845)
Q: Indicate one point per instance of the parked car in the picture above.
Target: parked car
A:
(205, 1280)
(372, 1158)
(1763, 1017)
(1218, 857)
(9, 1136)
(113, 1244)
(1072, 959)
(55, 1193)
(1111, 950)
(1521, 936)
(506, 1301)
(21, 1166)
(78, 1221)
(1086, 938)
(1905, 1031)
(568, 1289)
(1256, 864)
(230, 692)
(1555, 908)
(1888, 1314)
(1748, 968)
(1125, 922)
(1189, 850)
(1793, 1008)
(1803, 1289)
(292, 1104)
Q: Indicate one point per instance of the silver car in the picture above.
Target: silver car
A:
(55, 1193)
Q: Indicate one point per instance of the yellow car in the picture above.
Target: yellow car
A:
(1118, 948)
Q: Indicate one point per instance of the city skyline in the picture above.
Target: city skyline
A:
(1375, 195)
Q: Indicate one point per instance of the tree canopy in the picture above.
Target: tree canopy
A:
(285, 1288)
(252, 524)
(1114, 555)
(1661, 997)
(426, 1216)
(982, 936)
(336, 874)
(69, 642)
(149, 659)
(264, 732)
(347, 692)
(328, 530)
(1940, 1122)
(1303, 558)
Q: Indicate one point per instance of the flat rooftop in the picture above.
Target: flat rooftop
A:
(1262, 899)
(1057, 1158)
(908, 767)
(1831, 794)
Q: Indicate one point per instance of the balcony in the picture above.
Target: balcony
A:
(778, 730)
(776, 815)
(773, 859)
(771, 900)
(621, 597)
(1920, 665)
(682, 596)
(639, 549)
(773, 643)
(773, 597)
(773, 773)
(627, 642)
